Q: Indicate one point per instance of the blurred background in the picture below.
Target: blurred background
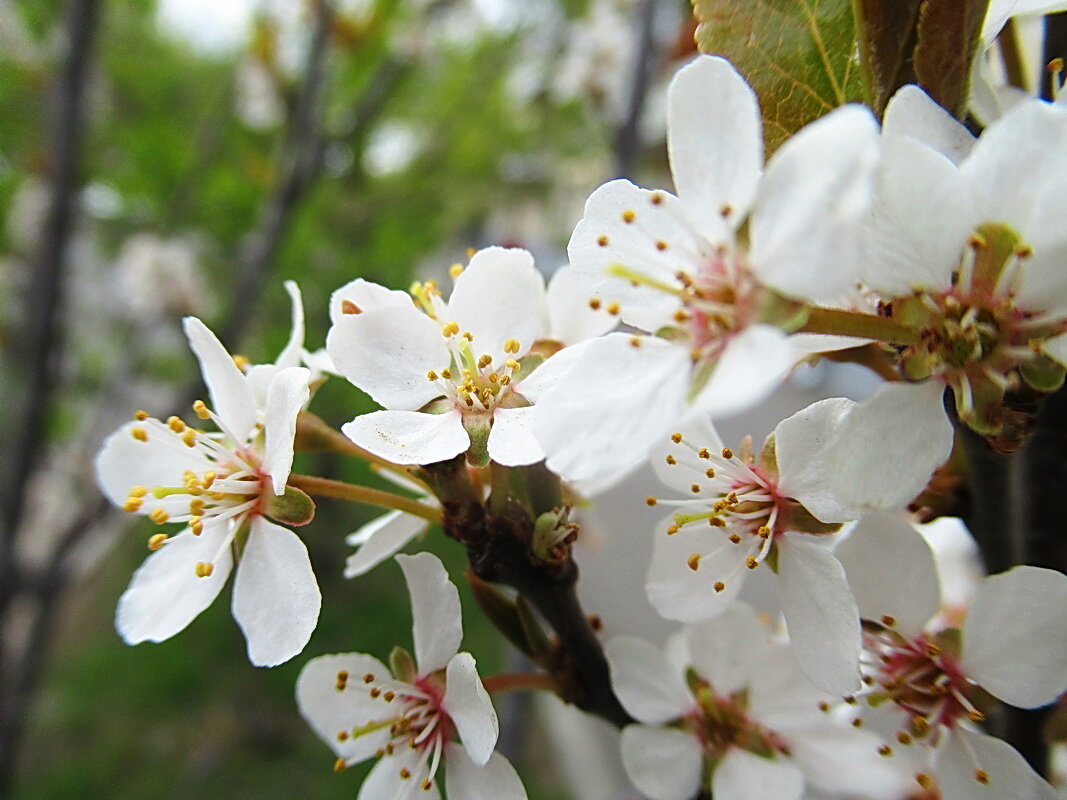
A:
(159, 159)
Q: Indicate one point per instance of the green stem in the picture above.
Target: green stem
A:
(516, 681)
(836, 322)
(500, 483)
(313, 434)
(325, 487)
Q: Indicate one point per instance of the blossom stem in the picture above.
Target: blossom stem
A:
(837, 322)
(325, 487)
(519, 681)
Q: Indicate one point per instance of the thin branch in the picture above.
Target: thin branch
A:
(628, 136)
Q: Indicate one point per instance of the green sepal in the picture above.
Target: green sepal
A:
(780, 311)
(1043, 374)
(527, 364)
(293, 508)
(477, 428)
(768, 456)
(950, 641)
(993, 245)
(240, 539)
(797, 518)
(403, 666)
(506, 616)
(987, 400)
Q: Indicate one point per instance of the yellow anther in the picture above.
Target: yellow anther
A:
(976, 241)
(693, 561)
(656, 198)
(470, 252)
(1055, 65)
(455, 270)
(189, 437)
(661, 245)
(763, 531)
(704, 453)
(484, 361)
(140, 434)
(339, 765)
(132, 504)
(138, 491)
(201, 409)
(342, 736)
(727, 453)
(671, 459)
(981, 776)
(594, 303)
(446, 373)
(681, 317)
(628, 216)
(427, 785)
(975, 716)
(923, 780)
(204, 569)
(242, 362)
(159, 516)
(196, 526)
(920, 725)
(368, 678)
(613, 309)
(155, 542)
(719, 586)
(505, 380)
(431, 375)
(389, 697)
(726, 210)
(709, 472)
(405, 773)
(1023, 251)
(602, 241)
(824, 707)
(635, 341)
(468, 336)
(932, 650)
(140, 416)
(695, 488)
(676, 438)
(450, 329)
(857, 722)
(733, 537)
(512, 364)
(196, 506)
(175, 424)
(904, 737)
(751, 562)
(348, 307)
(511, 346)
(209, 478)
(650, 501)
(673, 529)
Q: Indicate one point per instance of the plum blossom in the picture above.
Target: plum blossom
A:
(963, 246)
(676, 266)
(777, 507)
(726, 700)
(410, 716)
(926, 681)
(452, 377)
(222, 486)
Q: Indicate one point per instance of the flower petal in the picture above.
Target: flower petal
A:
(466, 780)
(892, 572)
(276, 598)
(714, 139)
(845, 762)
(884, 452)
(365, 296)
(1014, 639)
(744, 776)
(663, 763)
(585, 437)
(409, 437)
(1001, 10)
(329, 710)
(820, 613)
(647, 684)
(385, 781)
(752, 365)
(231, 394)
(1009, 774)
(1056, 348)
(571, 319)
(500, 296)
(780, 697)
(287, 394)
(728, 649)
(511, 440)
(688, 467)
(379, 539)
(387, 352)
(817, 188)
(165, 593)
(437, 623)
(911, 112)
(468, 705)
(292, 354)
(799, 442)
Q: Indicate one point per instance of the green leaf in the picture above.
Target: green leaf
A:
(797, 54)
(948, 35)
(886, 36)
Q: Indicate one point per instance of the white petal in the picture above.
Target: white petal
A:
(388, 352)
(465, 780)
(329, 711)
(571, 319)
(125, 462)
(697, 432)
(585, 437)
(656, 242)
(647, 684)
(1010, 777)
(511, 440)
(752, 365)
(288, 393)
(550, 371)
(714, 139)
(845, 761)
(231, 395)
(912, 113)
(409, 437)
(818, 186)
(744, 776)
(276, 598)
(1014, 637)
(663, 763)
(366, 296)
(780, 697)
(922, 218)
(165, 593)
(1056, 348)
(799, 445)
(820, 613)
(468, 705)
(728, 650)
(379, 539)
(678, 592)
(293, 353)
(384, 781)
(500, 296)
(437, 624)
(885, 450)
(1001, 10)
